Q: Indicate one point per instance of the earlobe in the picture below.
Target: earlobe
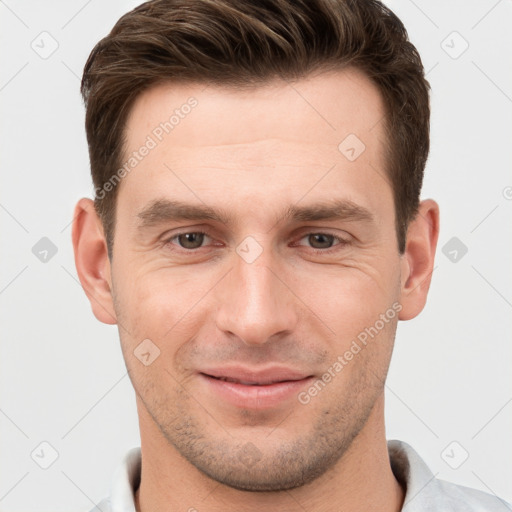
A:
(91, 260)
(418, 259)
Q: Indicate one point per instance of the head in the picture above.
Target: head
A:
(257, 171)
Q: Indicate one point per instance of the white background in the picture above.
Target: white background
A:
(63, 379)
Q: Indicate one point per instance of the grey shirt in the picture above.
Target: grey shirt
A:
(424, 492)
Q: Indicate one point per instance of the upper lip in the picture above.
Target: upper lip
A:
(268, 375)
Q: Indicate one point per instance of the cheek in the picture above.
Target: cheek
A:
(161, 306)
(350, 298)
(156, 317)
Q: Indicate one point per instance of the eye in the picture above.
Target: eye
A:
(323, 241)
(189, 240)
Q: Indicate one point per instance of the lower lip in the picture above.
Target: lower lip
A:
(255, 397)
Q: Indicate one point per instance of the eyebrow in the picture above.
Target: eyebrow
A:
(165, 210)
(162, 211)
(337, 209)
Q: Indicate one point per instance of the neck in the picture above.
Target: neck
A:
(361, 480)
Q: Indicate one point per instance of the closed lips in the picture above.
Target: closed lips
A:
(252, 383)
(255, 378)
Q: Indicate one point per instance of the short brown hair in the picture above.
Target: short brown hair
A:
(245, 43)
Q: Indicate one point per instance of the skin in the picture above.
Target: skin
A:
(301, 303)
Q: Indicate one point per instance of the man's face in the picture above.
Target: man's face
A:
(270, 286)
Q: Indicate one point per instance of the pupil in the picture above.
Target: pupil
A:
(324, 240)
(191, 240)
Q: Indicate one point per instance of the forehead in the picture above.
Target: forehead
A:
(208, 141)
(320, 107)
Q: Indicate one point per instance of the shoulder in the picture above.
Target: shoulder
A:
(125, 481)
(470, 500)
(425, 492)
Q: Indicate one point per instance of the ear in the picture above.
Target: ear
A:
(417, 262)
(91, 260)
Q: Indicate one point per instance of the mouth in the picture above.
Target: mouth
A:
(250, 383)
(255, 389)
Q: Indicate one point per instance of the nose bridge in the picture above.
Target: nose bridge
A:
(254, 304)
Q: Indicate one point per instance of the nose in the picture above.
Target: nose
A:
(254, 304)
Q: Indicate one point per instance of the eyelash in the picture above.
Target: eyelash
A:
(341, 241)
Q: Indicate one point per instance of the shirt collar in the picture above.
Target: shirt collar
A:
(125, 482)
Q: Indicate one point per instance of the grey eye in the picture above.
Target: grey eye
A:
(321, 240)
(191, 240)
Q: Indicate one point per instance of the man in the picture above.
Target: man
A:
(256, 235)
